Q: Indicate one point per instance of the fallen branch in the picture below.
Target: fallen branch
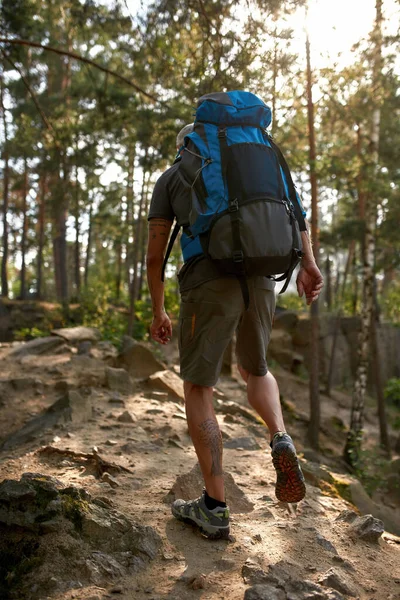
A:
(101, 465)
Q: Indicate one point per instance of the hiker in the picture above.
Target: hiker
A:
(231, 192)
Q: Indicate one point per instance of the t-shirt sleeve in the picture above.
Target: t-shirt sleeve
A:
(160, 205)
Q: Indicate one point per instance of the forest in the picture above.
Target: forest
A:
(92, 96)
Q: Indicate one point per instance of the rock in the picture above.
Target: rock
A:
(74, 335)
(127, 342)
(225, 564)
(281, 350)
(367, 528)
(89, 544)
(112, 481)
(233, 408)
(247, 443)
(139, 360)
(308, 590)
(190, 485)
(348, 516)
(252, 573)
(21, 384)
(71, 407)
(366, 506)
(119, 380)
(335, 580)
(199, 582)
(326, 544)
(286, 319)
(167, 381)
(315, 473)
(84, 347)
(80, 408)
(126, 417)
(44, 345)
(267, 591)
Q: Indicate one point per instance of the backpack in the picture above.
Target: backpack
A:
(244, 209)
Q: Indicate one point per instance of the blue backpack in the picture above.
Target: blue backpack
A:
(245, 214)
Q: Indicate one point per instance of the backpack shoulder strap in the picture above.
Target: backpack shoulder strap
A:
(290, 184)
(171, 242)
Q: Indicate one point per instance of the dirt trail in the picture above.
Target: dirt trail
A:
(156, 447)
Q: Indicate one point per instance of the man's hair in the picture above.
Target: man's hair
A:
(181, 135)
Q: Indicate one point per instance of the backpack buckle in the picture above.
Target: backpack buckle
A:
(222, 132)
(233, 205)
(238, 256)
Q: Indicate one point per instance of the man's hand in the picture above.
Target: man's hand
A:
(309, 280)
(161, 328)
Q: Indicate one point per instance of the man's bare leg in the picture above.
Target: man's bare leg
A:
(206, 436)
(263, 396)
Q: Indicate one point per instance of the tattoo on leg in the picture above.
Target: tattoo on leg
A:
(211, 437)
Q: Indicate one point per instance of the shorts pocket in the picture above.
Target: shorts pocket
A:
(187, 330)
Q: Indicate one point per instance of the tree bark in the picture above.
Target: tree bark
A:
(314, 311)
(24, 236)
(143, 242)
(383, 424)
(89, 246)
(135, 257)
(41, 236)
(6, 185)
(353, 445)
(77, 249)
(130, 223)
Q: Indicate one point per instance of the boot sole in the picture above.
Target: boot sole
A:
(290, 485)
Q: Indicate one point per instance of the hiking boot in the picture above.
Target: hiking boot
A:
(213, 523)
(290, 485)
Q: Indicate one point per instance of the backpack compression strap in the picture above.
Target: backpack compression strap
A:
(171, 242)
(290, 184)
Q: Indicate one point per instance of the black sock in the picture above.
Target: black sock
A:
(212, 503)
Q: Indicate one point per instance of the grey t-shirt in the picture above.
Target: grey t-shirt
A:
(171, 200)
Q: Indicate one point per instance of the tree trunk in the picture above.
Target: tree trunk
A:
(41, 237)
(328, 293)
(130, 222)
(6, 185)
(89, 246)
(314, 311)
(383, 425)
(136, 248)
(143, 242)
(353, 445)
(77, 249)
(338, 320)
(24, 236)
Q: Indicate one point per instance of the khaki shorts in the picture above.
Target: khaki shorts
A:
(210, 315)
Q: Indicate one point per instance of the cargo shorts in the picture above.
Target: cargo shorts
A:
(211, 313)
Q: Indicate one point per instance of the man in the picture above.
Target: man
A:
(203, 337)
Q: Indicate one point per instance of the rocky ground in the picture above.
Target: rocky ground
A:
(106, 437)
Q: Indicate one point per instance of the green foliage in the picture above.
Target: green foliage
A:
(291, 301)
(372, 468)
(390, 303)
(96, 310)
(392, 391)
(29, 333)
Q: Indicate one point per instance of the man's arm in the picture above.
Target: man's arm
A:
(309, 279)
(159, 229)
